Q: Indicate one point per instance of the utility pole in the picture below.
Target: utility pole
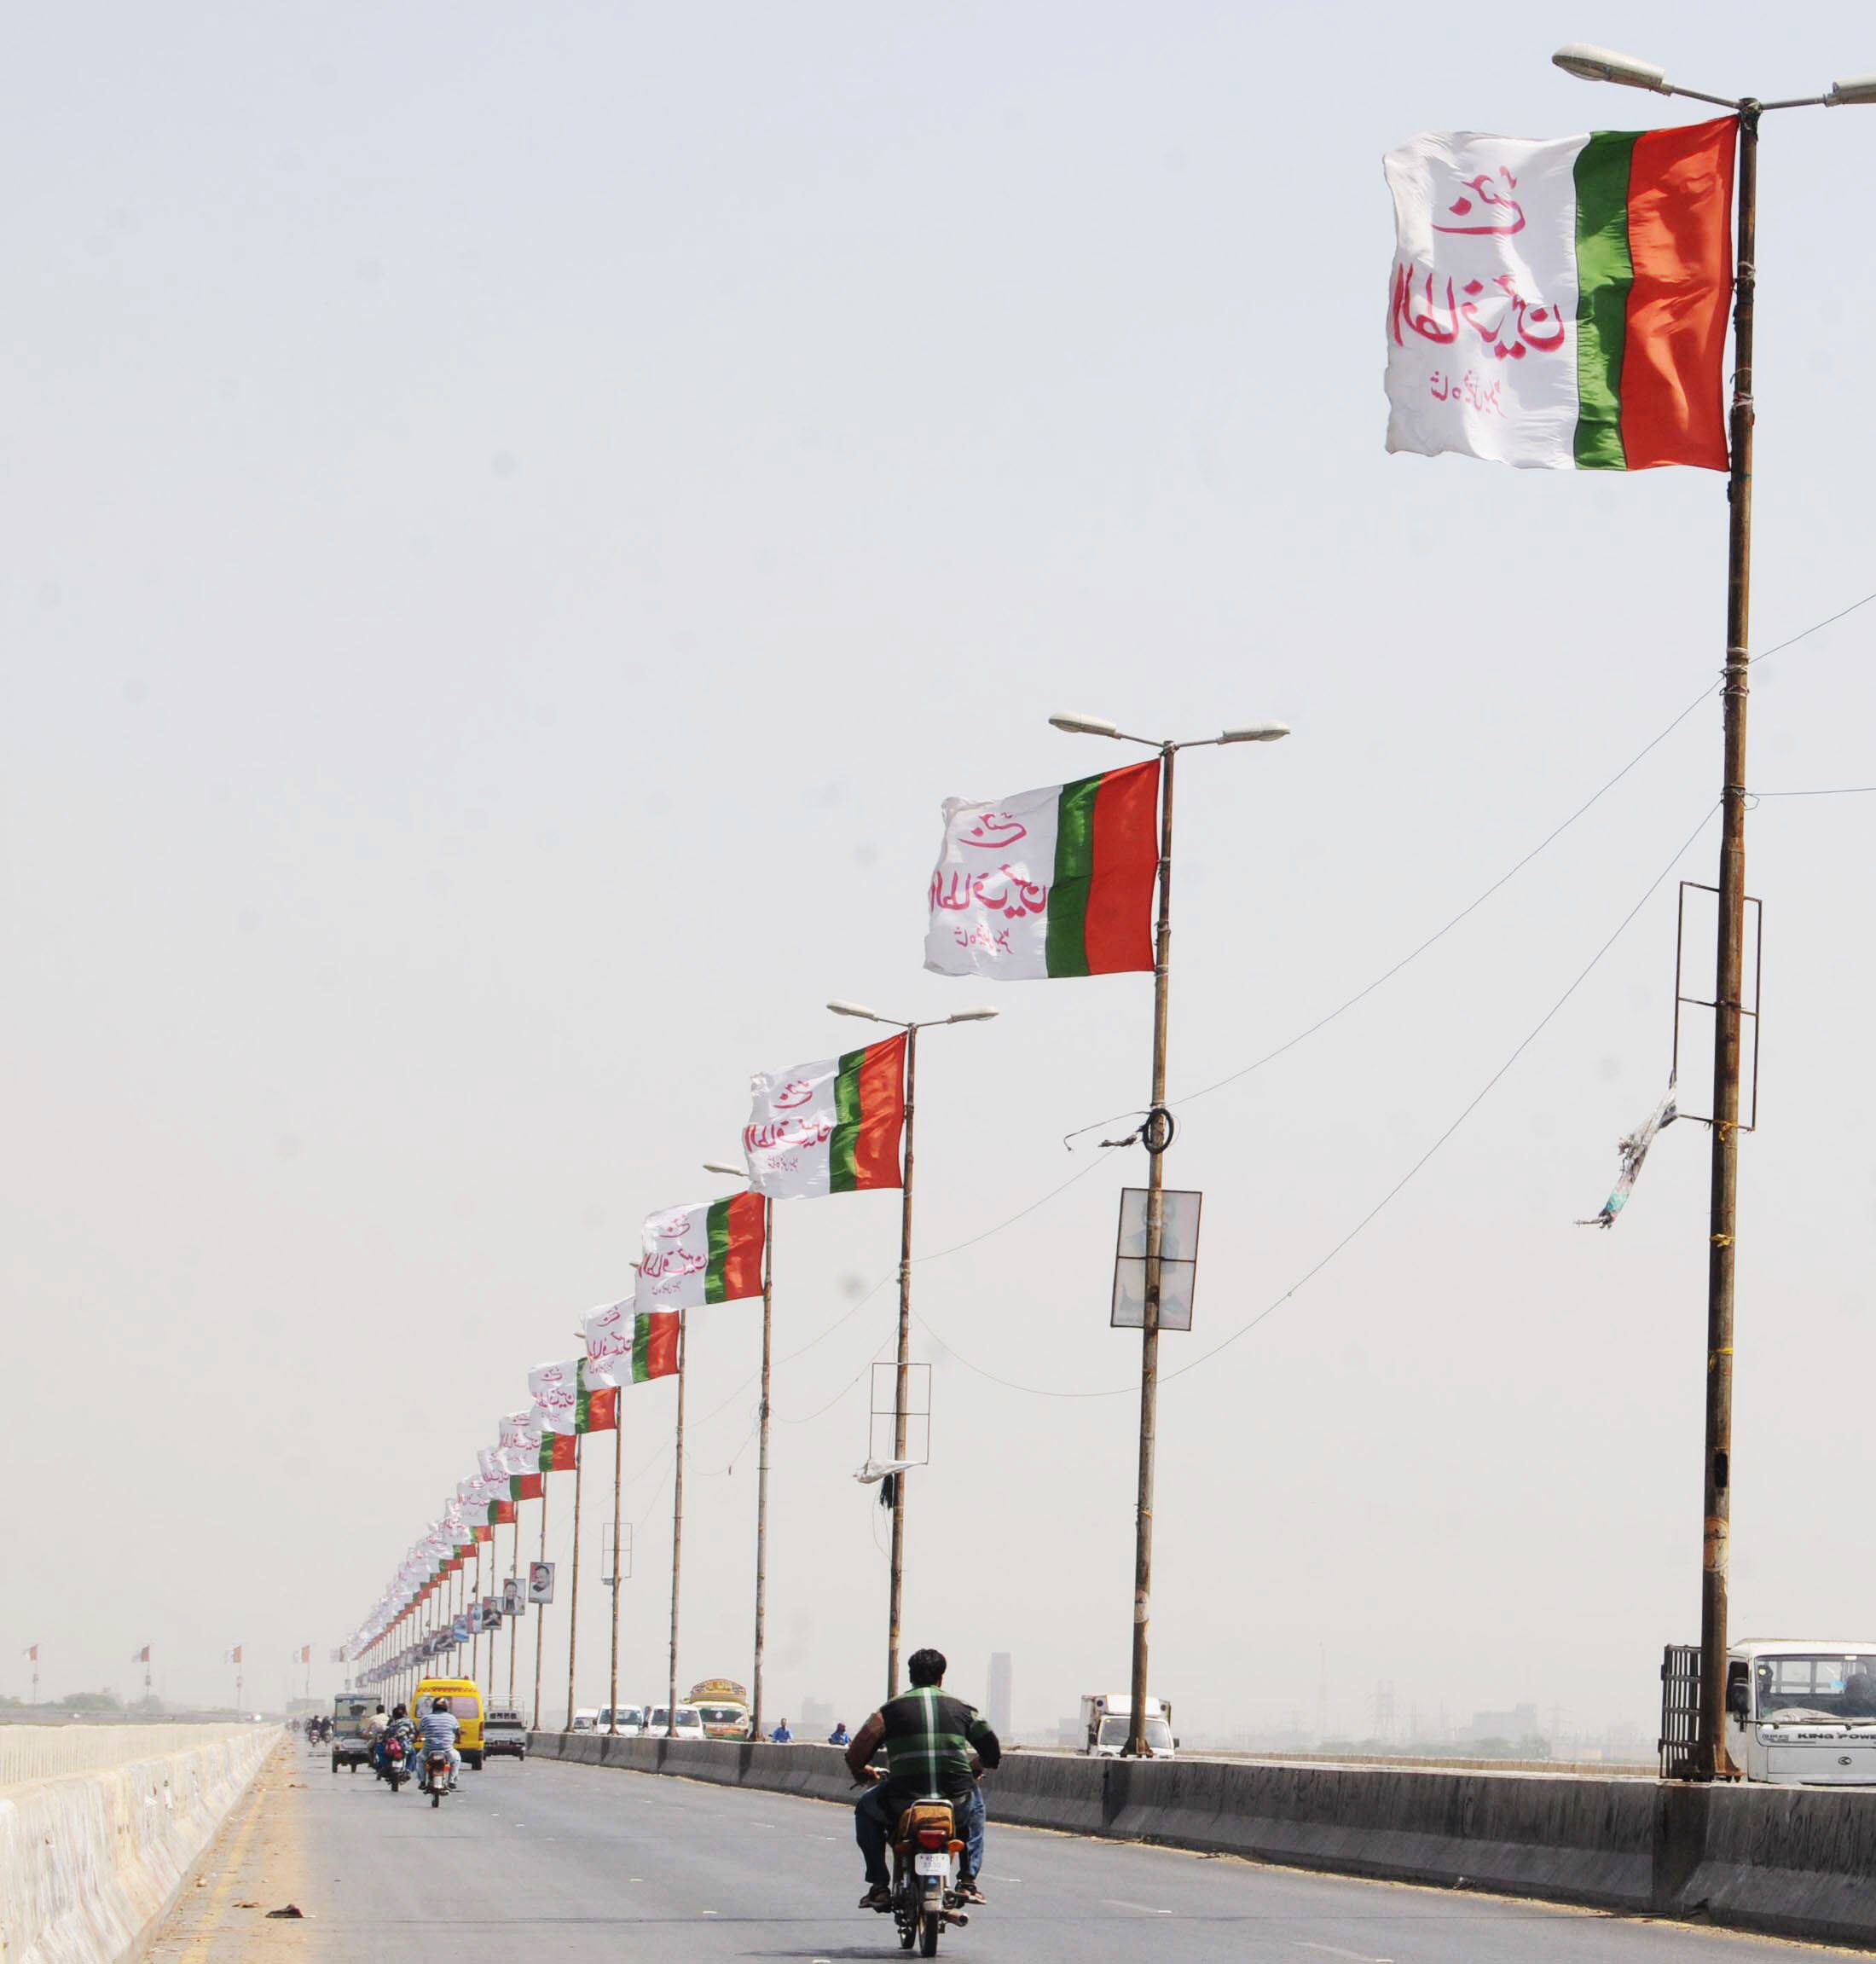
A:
(903, 1359)
(541, 1609)
(762, 1450)
(1711, 1761)
(902, 1367)
(618, 1491)
(1155, 1135)
(573, 1594)
(762, 1466)
(677, 1524)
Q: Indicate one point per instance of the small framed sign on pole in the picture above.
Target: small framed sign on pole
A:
(1179, 1258)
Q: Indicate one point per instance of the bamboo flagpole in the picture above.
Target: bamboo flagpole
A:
(540, 1609)
(573, 1595)
(677, 1525)
(618, 1576)
(514, 1574)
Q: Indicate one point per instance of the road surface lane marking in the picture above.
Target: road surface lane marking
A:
(1329, 1951)
(1145, 1908)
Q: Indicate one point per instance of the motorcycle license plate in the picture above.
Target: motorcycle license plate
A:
(932, 1865)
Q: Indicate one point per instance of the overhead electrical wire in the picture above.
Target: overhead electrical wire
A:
(1309, 1274)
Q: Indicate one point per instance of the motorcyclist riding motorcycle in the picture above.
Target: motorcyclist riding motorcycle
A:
(441, 1727)
(934, 1743)
(398, 1727)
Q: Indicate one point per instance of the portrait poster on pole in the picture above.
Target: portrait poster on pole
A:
(540, 1582)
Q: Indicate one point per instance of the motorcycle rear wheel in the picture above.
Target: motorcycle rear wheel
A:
(929, 1926)
(435, 1797)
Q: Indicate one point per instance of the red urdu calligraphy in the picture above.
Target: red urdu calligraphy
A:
(1486, 215)
(994, 831)
(796, 1091)
(1407, 311)
(673, 1227)
(1520, 326)
(676, 1261)
(954, 898)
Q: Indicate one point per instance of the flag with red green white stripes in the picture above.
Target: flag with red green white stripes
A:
(559, 1451)
(1054, 882)
(501, 1513)
(1562, 304)
(655, 1344)
(525, 1485)
(599, 1406)
(707, 1252)
(835, 1126)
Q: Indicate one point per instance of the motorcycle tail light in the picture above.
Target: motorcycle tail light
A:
(934, 1838)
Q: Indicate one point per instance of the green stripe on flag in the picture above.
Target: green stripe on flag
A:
(1067, 928)
(843, 1155)
(1605, 275)
(717, 1232)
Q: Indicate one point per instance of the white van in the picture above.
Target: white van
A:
(631, 1720)
(1801, 1713)
(689, 1722)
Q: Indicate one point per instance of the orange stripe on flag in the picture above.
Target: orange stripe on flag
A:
(743, 1263)
(1681, 245)
(1119, 929)
(882, 1113)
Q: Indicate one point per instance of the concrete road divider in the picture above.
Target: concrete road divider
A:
(101, 1826)
(1789, 1861)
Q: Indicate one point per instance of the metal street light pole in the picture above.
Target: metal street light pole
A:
(896, 1589)
(1711, 1759)
(762, 1450)
(1156, 1134)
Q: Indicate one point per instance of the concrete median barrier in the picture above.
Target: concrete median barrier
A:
(97, 1840)
(1792, 1862)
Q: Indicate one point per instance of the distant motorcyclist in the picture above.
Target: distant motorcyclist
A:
(442, 1728)
(398, 1727)
(374, 1723)
(781, 1735)
(840, 1736)
(934, 1743)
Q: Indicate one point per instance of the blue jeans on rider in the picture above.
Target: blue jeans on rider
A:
(874, 1822)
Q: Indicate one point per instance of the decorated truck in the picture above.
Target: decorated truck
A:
(723, 1706)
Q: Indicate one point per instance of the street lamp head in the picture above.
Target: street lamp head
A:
(1590, 64)
(1086, 726)
(854, 1009)
(734, 1171)
(1255, 733)
(1858, 89)
(979, 1015)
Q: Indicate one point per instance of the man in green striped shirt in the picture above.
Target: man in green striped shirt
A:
(934, 1745)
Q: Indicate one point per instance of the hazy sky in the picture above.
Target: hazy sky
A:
(517, 518)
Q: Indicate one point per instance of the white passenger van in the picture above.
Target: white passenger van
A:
(1801, 1713)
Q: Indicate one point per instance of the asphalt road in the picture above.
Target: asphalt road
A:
(551, 1861)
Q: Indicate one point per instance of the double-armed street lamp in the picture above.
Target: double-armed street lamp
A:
(1590, 63)
(1156, 1134)
(904, 1356)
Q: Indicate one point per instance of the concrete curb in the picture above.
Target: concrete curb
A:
(1785, 1861)
(92, 1863)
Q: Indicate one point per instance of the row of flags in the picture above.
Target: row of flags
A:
(1559, 305)
(1051, 883)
